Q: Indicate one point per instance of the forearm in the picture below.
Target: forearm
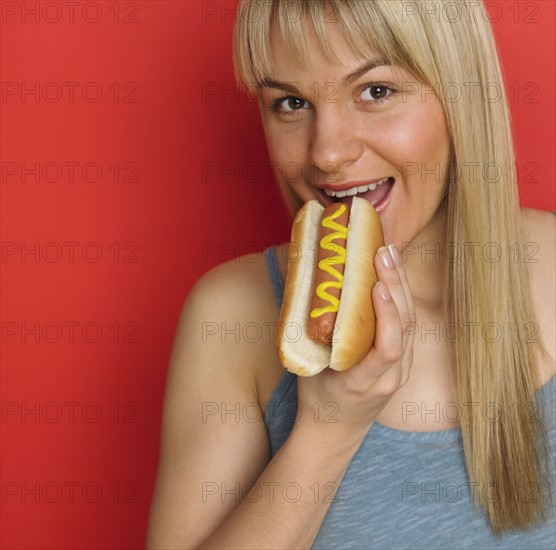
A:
(288, 503)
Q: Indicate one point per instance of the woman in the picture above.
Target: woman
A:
(433, 440)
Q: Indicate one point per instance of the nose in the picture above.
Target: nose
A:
(334, 144)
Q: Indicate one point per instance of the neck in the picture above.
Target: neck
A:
(424, 259)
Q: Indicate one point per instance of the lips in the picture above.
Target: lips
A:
(378, 197)
(349, 190)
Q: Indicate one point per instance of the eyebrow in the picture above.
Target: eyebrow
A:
(292, 88)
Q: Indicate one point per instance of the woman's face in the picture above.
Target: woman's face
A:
(334, 133)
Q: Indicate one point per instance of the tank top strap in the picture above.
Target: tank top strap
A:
(275, 277)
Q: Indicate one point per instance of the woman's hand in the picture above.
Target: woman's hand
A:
(353, 399)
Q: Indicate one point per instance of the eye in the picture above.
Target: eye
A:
(376, 93)
(287, 105)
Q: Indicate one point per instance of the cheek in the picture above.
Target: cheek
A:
(282, 148)
(423, 140)
(421, 145)
(287, 156)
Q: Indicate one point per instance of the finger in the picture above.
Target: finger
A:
(389, 274)
(410, 324)
(409, 329)
(388, 347)
(403, 278)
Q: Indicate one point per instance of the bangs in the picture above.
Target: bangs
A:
(353, 19)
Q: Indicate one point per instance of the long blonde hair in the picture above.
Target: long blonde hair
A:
(453, 51)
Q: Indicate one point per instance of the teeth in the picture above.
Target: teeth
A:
(354, 190)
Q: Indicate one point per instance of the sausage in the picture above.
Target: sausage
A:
(329, 273)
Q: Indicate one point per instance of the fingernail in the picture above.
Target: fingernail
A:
(383, 291)
(386, 257)
(395, 255)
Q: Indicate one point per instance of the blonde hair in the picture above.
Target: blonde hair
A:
(450, 52)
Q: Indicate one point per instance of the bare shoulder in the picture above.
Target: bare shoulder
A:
(243, 280)
(540, 226)
(539, 251)
(236, 312)
(539, 248)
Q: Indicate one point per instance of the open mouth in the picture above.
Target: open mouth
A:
(377, 193)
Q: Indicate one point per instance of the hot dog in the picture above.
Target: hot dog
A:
(337, 339)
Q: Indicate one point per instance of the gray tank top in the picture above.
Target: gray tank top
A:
(406, 489)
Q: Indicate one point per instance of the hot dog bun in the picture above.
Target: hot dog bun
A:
(354, 328)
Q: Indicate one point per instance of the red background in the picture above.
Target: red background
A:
(81, 411)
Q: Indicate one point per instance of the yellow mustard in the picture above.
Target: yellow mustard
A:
(327, 264)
